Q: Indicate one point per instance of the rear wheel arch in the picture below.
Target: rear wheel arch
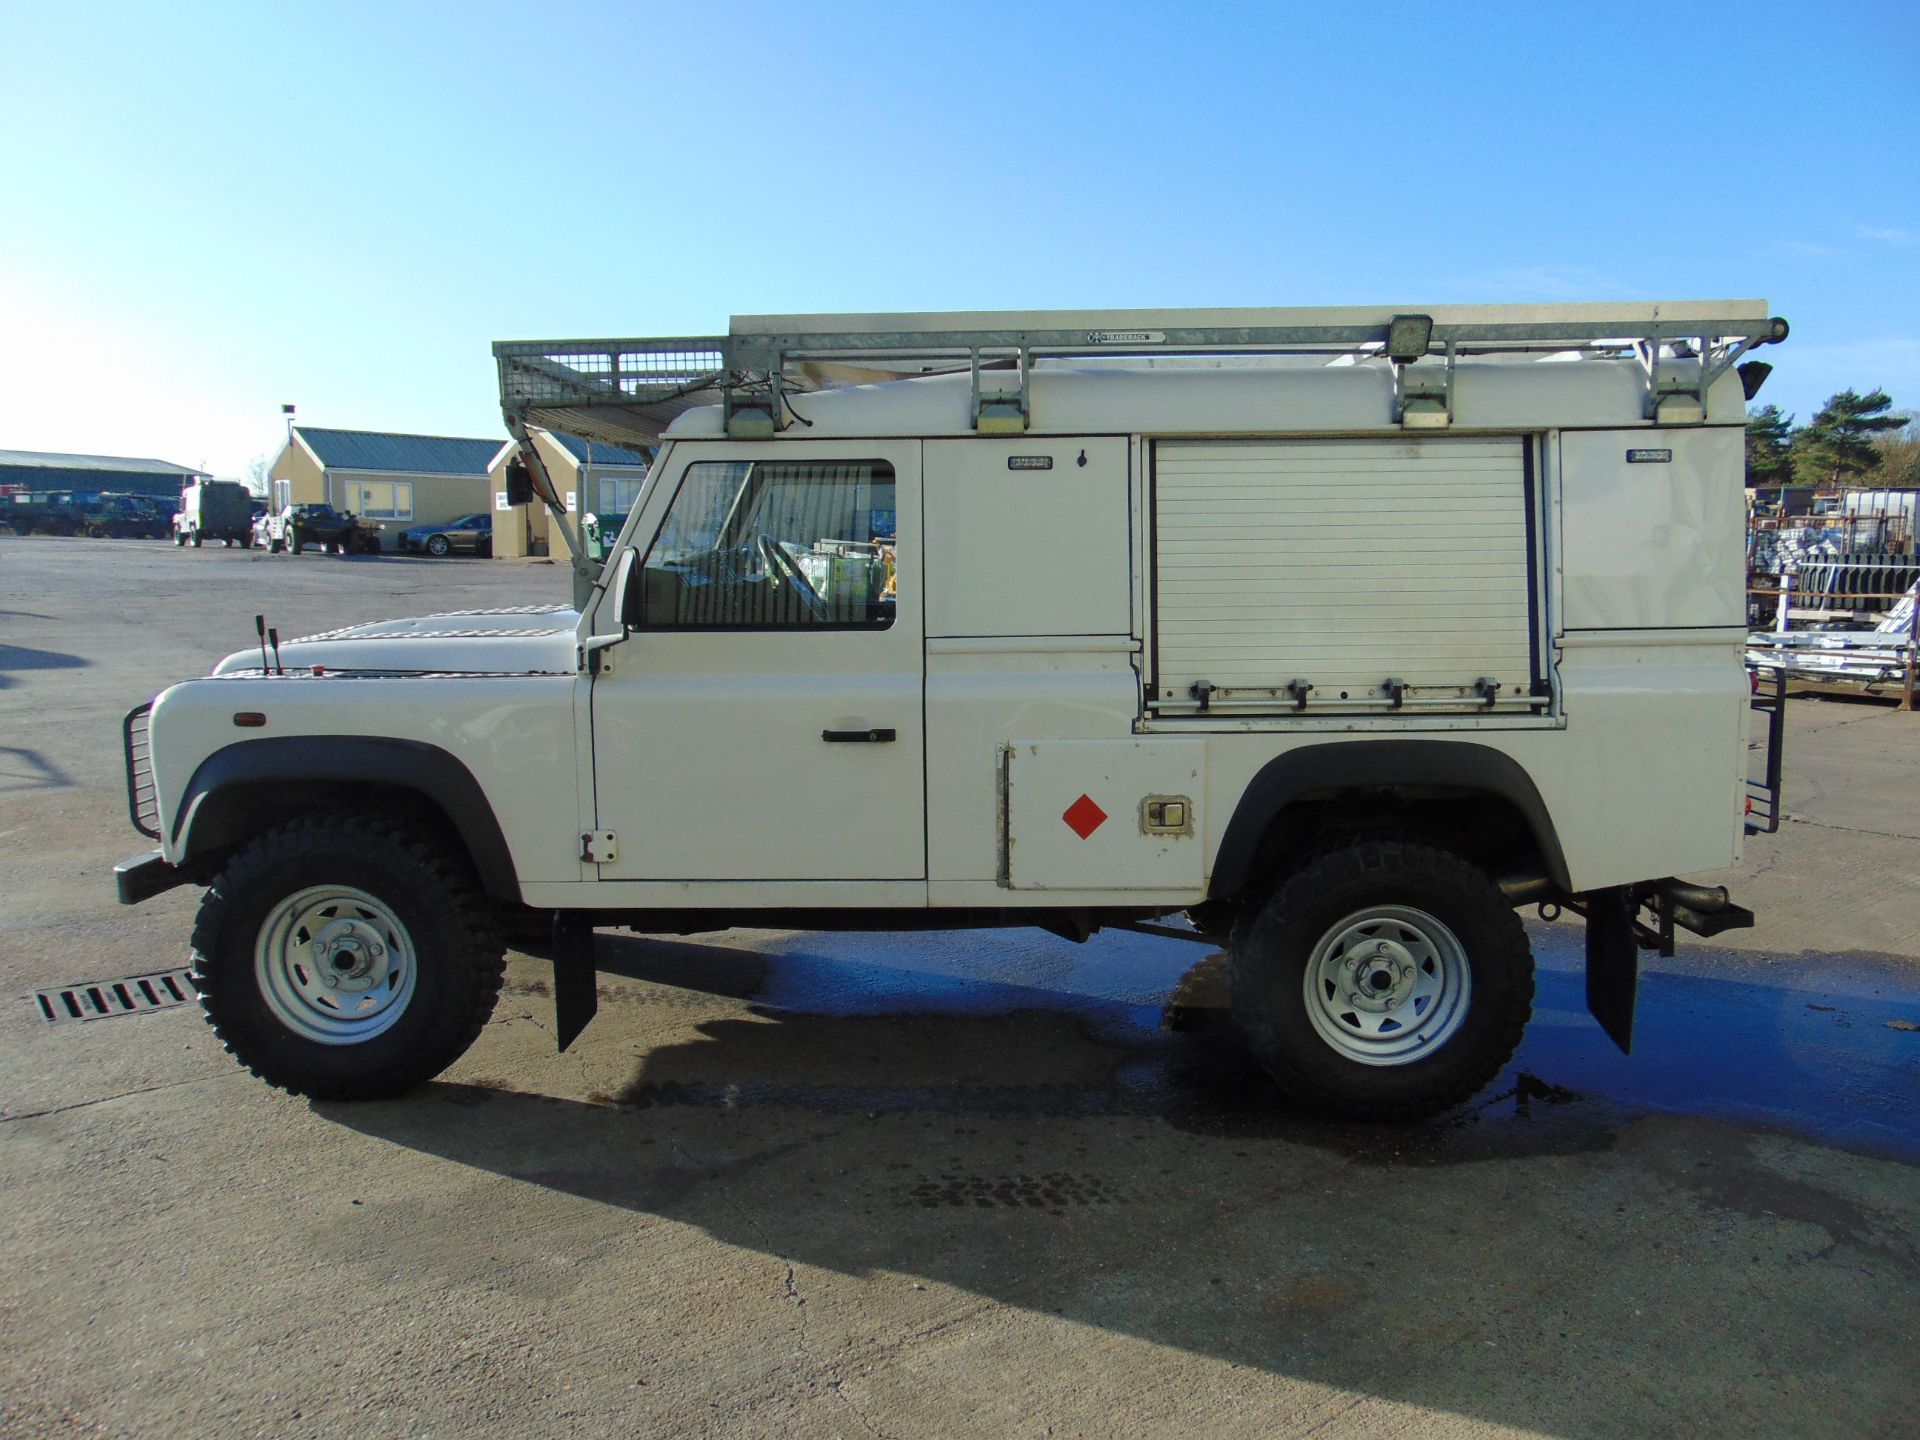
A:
(1433, 789)
(247, 788)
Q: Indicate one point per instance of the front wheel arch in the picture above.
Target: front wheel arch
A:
(247, 788)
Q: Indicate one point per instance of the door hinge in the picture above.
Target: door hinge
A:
(599, 847)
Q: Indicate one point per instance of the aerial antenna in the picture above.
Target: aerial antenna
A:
(273, 638)
(260, 625)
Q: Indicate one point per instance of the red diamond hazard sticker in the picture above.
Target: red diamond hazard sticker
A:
(1083, 817)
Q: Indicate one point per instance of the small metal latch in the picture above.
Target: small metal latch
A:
(1299, 690)
(1202, 691)
(1166, 815)
(599, 847)
(1396, 690)
(1487, 688)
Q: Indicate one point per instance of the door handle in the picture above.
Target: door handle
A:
(858, 737)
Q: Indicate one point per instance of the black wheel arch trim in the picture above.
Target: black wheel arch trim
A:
(1452, 765)
(215, 812)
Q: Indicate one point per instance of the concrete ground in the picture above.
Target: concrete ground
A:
(964, 1185)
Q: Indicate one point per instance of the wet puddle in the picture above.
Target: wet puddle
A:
(1020, 1021)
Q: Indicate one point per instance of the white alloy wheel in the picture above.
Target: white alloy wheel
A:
(334, 964)
(1387, 985)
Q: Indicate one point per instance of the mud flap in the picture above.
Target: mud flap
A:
(576, 994)
(1613, 962)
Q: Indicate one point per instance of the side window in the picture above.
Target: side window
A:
(774, 545)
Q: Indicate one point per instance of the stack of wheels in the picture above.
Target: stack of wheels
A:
(347, 956)
(1383, 980)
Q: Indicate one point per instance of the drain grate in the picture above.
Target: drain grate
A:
(104, 999)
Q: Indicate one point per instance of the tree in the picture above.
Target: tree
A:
(1837, 446)
(259, 480)
(1769, 446)
(1900, 455)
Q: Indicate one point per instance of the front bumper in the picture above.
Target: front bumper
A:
(141, 877)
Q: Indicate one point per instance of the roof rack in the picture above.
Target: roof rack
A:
(627, 391)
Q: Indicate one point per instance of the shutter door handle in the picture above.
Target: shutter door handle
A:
(858, 737)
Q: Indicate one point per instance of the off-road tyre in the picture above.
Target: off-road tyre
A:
(430, 888)
(1273, 945)
(196, 540)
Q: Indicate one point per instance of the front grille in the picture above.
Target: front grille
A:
(143, 800)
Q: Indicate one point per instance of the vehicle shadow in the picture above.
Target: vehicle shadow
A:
(24, 769)
(15, 658)
(1069, 1160)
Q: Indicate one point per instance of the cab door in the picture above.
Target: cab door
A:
(763, 719)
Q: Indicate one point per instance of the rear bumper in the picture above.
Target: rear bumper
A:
(141, 877)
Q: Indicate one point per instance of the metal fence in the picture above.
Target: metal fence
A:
(1880, 660)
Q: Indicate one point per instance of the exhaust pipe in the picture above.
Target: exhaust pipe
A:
(1703, 899)
(1527, 889)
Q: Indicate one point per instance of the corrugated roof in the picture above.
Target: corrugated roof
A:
(118, 464)
(412, 454)
(602, 454)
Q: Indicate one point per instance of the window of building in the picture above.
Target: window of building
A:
(381, 499)
(618, 493)
(774, 546)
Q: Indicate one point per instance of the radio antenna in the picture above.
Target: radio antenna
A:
(260, 625)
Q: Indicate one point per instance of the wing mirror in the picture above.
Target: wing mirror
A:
(626, 594)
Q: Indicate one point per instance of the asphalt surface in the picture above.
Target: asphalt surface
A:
(987, 1183)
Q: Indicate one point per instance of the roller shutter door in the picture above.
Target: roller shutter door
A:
(1346, 563)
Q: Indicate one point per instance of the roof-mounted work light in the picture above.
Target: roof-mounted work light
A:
(1753, 375)
(1408, 338)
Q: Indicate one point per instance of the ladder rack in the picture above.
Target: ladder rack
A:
(627, 391)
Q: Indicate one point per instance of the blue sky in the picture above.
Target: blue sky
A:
(214, 208)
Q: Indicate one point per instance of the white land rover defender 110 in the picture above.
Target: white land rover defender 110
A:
(1342, 632)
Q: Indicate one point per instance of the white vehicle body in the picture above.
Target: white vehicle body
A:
(1183, 602)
